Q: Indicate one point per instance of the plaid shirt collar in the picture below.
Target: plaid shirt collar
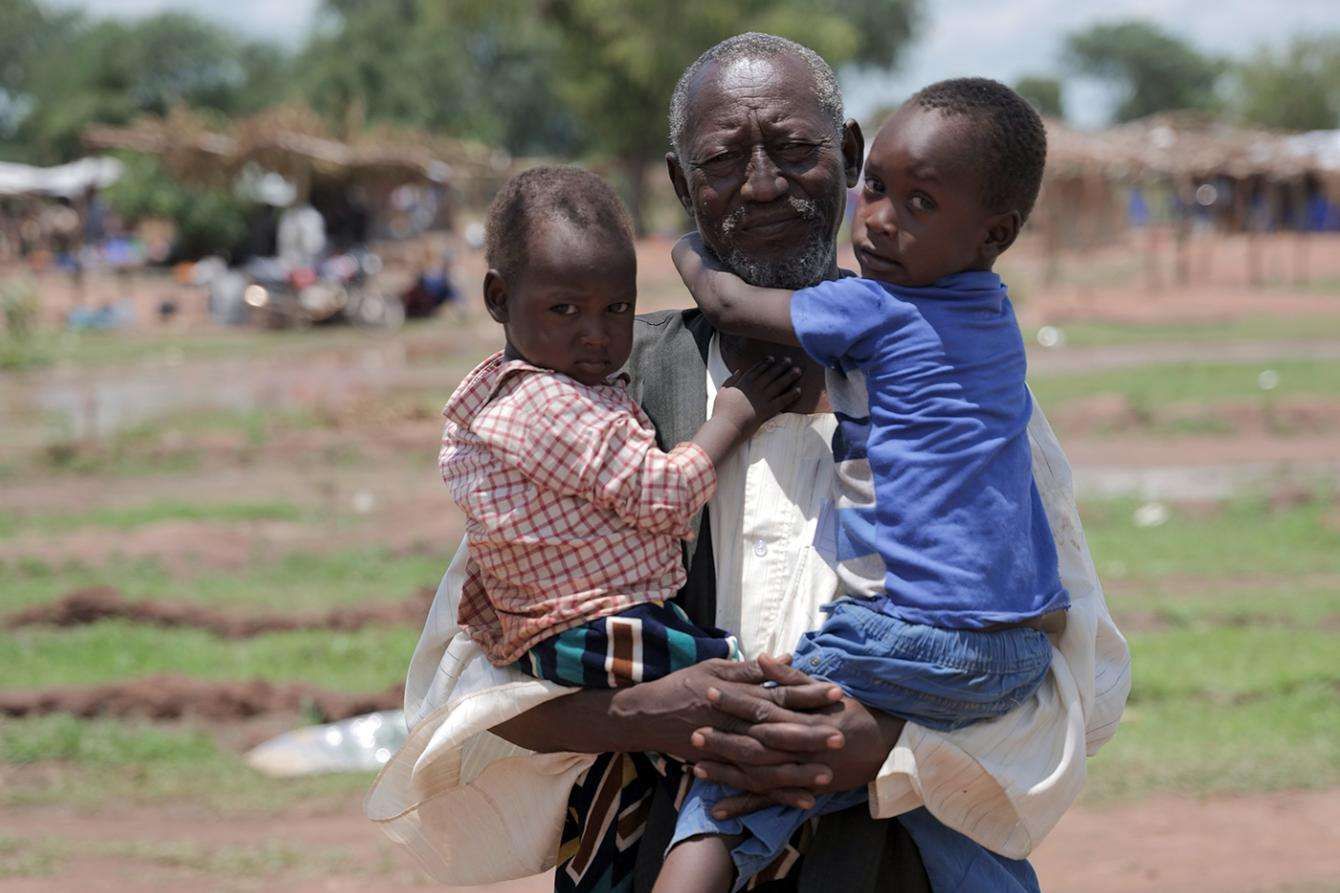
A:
(478, 388)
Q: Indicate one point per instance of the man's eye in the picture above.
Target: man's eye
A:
(719, 159)
(564, 309)
(620, 307)
(921, 203)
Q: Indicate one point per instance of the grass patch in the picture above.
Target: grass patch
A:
(1253, 328)
(298, 581)
(101, 764)
(1198, 603)
(367, 660)
(1244, 536)
(1194, 747)
(26, 858)
(130, 517)
(1231, 664)
(1162, 384)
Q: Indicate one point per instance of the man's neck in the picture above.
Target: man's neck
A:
(741, 353)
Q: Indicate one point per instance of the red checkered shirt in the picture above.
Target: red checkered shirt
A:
(572, 511)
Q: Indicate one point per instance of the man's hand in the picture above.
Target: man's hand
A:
(858, 742)
(663, 715)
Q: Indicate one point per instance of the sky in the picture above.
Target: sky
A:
(1003, 39)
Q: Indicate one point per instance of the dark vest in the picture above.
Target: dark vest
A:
(851, 852)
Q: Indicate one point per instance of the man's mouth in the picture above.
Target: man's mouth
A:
(770, 226)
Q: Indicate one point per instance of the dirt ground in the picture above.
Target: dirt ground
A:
(1274, 842)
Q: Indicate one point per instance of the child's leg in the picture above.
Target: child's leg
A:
(698, 865)
(754, 840)
(640, 644)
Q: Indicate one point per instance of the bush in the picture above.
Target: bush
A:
(208, 220)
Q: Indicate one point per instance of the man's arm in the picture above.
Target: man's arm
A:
(665, 715)
(729, 303)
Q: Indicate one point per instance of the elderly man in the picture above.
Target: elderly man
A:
(506, 776)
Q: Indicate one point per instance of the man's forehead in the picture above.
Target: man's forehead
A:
(782, 83)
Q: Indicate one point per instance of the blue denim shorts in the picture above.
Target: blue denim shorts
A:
(938, 678)
(941, 679)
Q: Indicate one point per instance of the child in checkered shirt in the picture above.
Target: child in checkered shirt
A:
(574, 516)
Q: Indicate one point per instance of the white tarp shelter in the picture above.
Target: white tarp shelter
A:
(68, 180)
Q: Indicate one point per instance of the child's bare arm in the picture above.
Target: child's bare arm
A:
(745, 401)
(729, 303)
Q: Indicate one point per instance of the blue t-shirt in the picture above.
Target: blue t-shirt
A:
(938, 514)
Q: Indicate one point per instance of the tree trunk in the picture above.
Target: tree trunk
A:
(635, 178)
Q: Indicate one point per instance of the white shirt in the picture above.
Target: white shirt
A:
(476, 809)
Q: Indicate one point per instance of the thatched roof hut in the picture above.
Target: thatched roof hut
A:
(294, 142)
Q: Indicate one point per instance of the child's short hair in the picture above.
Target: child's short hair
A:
(546, 193)
(1013, 147)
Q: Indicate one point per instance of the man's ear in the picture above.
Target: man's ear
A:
(679, 181)
(853, 151)
(1001, 231)
(495, 295)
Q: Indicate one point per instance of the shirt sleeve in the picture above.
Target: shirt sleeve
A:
(564, 441)
(1005, 783)
(472, 807)
(837, 321)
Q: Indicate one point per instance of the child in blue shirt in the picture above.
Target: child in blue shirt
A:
(944, 553)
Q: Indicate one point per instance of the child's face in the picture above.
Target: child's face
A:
(920, 216)
(570, 308)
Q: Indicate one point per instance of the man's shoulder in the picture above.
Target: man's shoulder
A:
(667, 336)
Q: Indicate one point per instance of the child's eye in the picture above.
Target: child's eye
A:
(921, 203)
(564, 309)
(874, 185)
(620, 307)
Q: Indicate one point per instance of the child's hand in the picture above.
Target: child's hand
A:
(750, 398)
(694, 261)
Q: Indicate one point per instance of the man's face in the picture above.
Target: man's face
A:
(763, 171)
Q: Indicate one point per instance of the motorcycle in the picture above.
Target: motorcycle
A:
(338, 288)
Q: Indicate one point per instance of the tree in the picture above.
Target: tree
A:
(465, 67)
(1156, 70)
(72, 72)
(1297, 88)
(620, 59)
(1043, 92)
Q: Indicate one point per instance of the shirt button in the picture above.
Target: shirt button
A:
(814, 661)
(760, 548)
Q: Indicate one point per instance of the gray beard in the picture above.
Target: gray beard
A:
(806, 265)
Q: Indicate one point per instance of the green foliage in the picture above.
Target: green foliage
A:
(465, 68)
(19, 348)
(67, 71)
(208, 220)
(1156, 71)
(1295, 88)
(1043, 92)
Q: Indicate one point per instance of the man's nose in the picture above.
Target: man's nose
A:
(763, 181)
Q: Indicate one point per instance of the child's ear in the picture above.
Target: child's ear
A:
(495, 295)
(1001, 231)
